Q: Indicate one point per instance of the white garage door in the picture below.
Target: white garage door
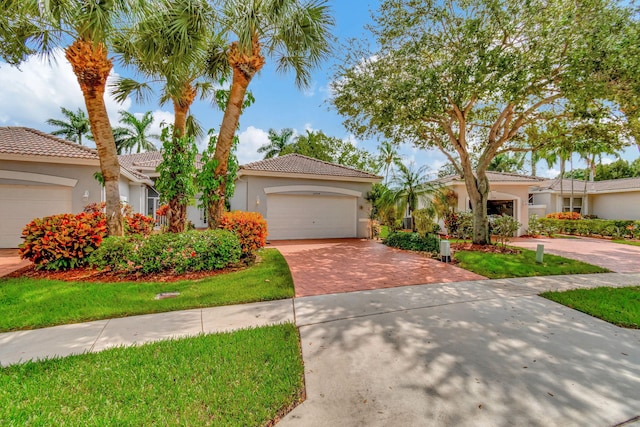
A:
(19, 204)
(310, 217)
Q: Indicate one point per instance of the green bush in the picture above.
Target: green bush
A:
(588, 227)
(464, 226)
(178, 252)
(423, 220)
(505, 227)
(413, 242)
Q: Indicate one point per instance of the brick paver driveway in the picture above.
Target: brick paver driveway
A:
(344, 265)
(614, 256)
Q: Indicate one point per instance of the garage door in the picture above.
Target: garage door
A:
(310, 217)
(21, 203)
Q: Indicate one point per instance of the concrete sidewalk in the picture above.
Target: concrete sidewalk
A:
(479, 353)
(79, 338)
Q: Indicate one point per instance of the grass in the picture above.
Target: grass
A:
(498, 266)
(627, 242)
(29, 303)
(244, 378)
(620, 306)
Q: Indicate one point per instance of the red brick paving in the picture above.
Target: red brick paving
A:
(601, 252)
(10, 261)
(344, 265)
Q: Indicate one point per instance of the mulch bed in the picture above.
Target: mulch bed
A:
(495, 249)
(87, 274)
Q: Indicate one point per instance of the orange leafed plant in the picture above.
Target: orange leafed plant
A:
(250, 227)
(564, 215)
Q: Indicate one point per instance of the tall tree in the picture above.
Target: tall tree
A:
(277, 142)
(169, 46)
(470, 75)
(293, 32)
(135, 133)
(74, 128)
(39, 27)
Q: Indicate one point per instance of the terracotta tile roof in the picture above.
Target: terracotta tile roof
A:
(497, 177)
(299, 164)
(149, 159)
(31, 142)
(631, 184)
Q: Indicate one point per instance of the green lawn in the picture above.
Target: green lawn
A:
(627, 242)
(497, 266)
(28, 303)
(620, 306)
(244, 378)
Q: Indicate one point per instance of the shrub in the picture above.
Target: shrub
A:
(534, 227)
(564, 215)
(588, 227)
(62, 241)
(250, 227)
(138, 224)
(505, 227)
(178, 252)
(413, 242)
(424, 222)
(464, 225)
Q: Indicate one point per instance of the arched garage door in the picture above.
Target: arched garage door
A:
(311, 216)
(22, 203)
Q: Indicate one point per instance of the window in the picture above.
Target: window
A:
(567, 206)
(531, 199)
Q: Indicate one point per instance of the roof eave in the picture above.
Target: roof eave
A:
(249, 172)
(49, 159)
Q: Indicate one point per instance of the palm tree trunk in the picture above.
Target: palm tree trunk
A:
(245, 66)
(92, 66)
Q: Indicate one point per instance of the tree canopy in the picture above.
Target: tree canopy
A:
(468, 77)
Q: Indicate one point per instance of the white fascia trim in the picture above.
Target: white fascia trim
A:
(244, 172)
(311, 189)
(38, 177)
(51, 159)
(132, 178)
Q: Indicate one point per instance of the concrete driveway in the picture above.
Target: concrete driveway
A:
(604, 253)
(345, 265)
(483, 353)
(10, 261)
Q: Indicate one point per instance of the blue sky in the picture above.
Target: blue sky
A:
(36, 92)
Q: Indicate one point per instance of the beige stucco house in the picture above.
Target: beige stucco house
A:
(610, 199)
(509, 194)
(305, 198)
(43, 175)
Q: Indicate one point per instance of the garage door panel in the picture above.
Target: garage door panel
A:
(21, 203)
(311, 217)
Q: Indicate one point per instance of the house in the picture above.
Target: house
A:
(509, 194)
(610, 199)
(305, 198)
(42, 175)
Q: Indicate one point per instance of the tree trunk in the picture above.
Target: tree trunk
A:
(91, 66)
(478, 195)
(244, 65)
(177, 215)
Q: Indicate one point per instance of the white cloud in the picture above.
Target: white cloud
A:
(549, 173)
(250, 140)
(310, 91)
(159, 116)
(39, 88)
(607, 160)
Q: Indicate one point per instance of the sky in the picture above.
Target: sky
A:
(35, 92)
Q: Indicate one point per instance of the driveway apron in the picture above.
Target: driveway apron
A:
(10, 261)
(481, 353)
(344, 265)
(603, 253)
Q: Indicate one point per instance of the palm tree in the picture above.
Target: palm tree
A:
(294, 33)
(87, 24)
(169, 46)
(389, 157)
(409, 186)
(134, 133)
(76, 126)
(277, 142)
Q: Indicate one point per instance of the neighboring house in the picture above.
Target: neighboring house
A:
(509, 195)
(42, 175)
(305, 198)
(611, 199)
